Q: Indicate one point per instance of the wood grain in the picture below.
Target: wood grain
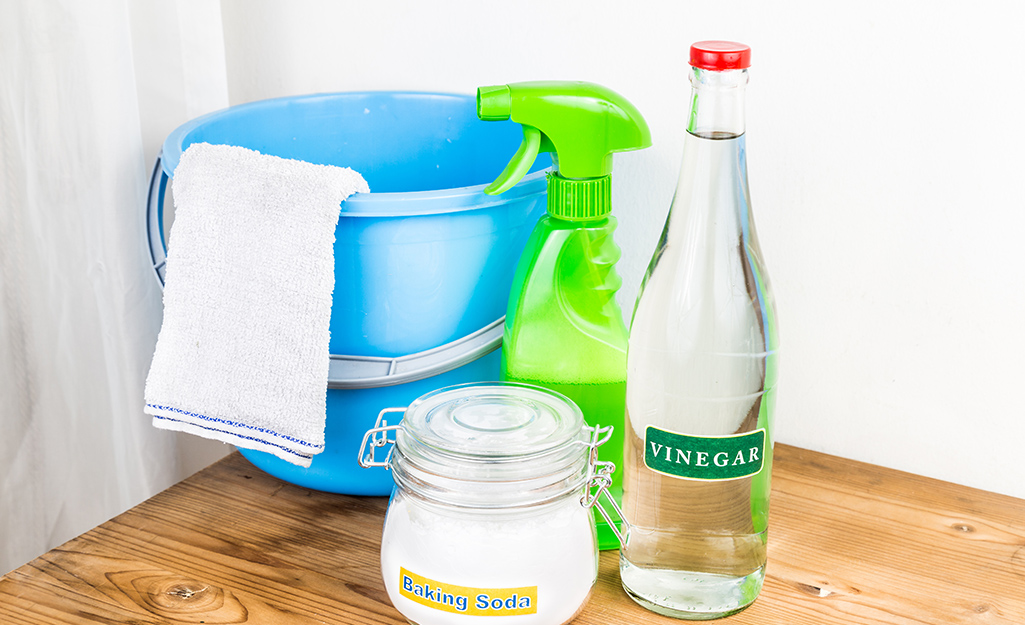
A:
(849, 543)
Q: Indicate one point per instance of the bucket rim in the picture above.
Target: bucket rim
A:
(391, 204)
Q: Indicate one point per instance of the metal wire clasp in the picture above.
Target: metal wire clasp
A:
(377, 436)
(599, 475)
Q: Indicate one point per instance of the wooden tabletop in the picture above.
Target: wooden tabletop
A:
(849, 543)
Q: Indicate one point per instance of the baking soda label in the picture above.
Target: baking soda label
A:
(704, 457)
(465, 599)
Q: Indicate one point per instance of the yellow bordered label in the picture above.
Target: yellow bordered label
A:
(466, 599)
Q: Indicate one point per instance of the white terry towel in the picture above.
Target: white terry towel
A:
(242, 354)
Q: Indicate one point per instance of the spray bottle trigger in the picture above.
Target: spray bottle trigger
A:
(520, 163)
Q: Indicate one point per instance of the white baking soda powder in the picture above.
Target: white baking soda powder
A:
(533, 566)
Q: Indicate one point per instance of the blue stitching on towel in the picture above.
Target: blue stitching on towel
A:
(233, 424)
(248, 438)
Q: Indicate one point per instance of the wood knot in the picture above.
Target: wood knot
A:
(1018, 561)
(979, 609)
(962, 527)
(183, 594)
(179, 599)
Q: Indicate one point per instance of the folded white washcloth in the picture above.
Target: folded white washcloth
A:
(242, 354)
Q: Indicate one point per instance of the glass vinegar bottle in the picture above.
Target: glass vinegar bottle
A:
(701, 374)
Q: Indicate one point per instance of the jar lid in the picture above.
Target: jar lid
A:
(491, 420)
(491, 445)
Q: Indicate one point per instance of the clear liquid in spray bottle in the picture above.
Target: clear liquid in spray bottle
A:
(701, 374)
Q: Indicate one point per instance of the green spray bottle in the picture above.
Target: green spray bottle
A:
(563, 328)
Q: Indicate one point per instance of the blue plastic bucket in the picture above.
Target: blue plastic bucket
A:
(423, 263)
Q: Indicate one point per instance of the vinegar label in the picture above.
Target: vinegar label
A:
(466, 599)
(706, 458)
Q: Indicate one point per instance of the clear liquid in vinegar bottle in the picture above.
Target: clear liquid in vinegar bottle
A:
(701, 374)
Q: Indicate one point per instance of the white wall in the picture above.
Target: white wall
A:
(885, 154)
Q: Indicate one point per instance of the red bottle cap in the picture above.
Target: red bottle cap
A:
(720, 55)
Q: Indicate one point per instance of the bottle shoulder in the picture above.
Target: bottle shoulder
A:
(562, 227)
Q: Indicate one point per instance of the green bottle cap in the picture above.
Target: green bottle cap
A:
(581, 124)
(579, 200)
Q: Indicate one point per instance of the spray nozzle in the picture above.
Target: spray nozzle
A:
(580, 123)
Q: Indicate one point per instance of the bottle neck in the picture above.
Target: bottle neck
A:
(712, 193)
(717, 103)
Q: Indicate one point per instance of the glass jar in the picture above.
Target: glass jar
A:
(490, 515)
